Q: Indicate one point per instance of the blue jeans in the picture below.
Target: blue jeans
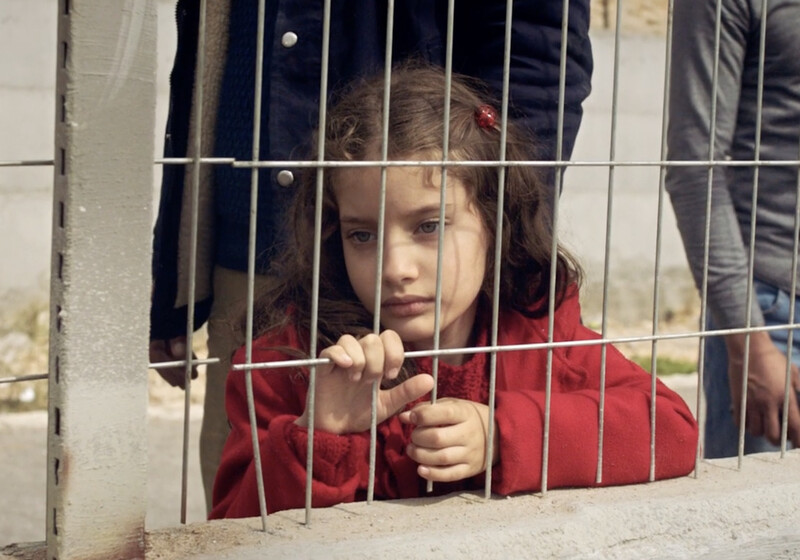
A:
(721, 433)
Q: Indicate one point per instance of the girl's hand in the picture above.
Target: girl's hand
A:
(343, 402)
(449, 440)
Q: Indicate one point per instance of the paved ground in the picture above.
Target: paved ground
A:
(23, 445)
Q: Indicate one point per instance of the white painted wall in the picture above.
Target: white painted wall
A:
(27, 78)
(584, 200)
(27, 109)
(27, 82)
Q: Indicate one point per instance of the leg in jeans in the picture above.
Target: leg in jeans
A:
(224, 338)
(721, 433)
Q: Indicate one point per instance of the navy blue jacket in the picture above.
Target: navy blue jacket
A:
(291, 92)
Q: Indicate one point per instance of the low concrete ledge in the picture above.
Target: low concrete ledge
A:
(724, 512)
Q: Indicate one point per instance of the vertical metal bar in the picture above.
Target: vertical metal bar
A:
(443, 191)
(752, 243)
(251, 263)
(376, 325)
(448, 66)
(712, 139)
(790, 337)
(197, 105)
(323, 104)
(104, 143)
(607, 248)
(498, 246)
(554, 249)
(662, 174)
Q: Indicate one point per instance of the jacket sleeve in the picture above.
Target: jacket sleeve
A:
(535, 62)
(341, 462)
(689, 135)
(167, 321)
(574, 423)
(279, 397)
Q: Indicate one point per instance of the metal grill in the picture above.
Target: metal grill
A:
(69, 407)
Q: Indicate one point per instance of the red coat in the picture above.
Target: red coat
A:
(341, 461)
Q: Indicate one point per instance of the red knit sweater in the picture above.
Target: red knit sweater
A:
(341, 461)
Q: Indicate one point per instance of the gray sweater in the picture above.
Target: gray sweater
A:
(693, 56)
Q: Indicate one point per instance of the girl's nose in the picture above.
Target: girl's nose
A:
(400, 264)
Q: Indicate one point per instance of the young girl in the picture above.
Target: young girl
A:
(418, 441)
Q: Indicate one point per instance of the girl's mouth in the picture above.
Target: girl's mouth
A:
(406, 306)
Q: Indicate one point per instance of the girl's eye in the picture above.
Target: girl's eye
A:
(361, 236)
(429, 227)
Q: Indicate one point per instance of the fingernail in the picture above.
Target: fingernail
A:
(392, 373)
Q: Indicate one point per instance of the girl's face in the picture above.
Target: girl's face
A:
(411, 232)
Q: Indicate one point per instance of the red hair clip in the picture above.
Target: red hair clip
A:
(486, 116)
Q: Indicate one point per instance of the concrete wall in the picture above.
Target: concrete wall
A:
(725, 512)
(635, 189)
(27, 85)
(27, 109)
(27, 78)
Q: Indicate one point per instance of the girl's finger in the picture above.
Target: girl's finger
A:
(411, 389)
(372, 348)
(393, 353)
(355, 352)
(443, 474)
(338, 356)
(447, 456)
(438, 437)
(444, 412)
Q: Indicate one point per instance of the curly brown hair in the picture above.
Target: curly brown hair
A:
(354, 132)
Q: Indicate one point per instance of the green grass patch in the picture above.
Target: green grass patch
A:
(666, 365)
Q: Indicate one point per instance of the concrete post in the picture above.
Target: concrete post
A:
(100, 281)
